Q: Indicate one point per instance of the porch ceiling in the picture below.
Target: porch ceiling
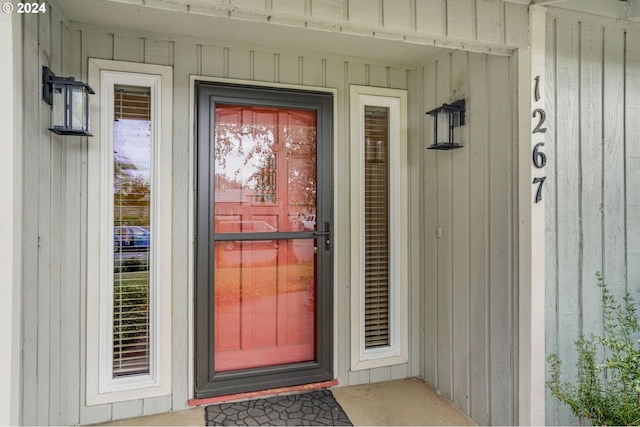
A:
(138, 18)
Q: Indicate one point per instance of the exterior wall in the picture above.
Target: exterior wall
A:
(470, 194)
(470, 272)
(50, 281)
(55, 273)
(593, 169)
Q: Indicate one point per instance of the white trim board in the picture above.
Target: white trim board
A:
(531, 240)
(11, 219)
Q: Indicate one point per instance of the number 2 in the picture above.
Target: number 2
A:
(543, 117)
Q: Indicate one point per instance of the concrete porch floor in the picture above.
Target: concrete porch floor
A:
(401, 402)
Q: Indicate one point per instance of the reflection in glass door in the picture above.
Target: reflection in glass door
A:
(263, 262)
(265, 183)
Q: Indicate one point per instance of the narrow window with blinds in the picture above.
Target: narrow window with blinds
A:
(379, 233)
(132, 232)
(129, 233)
(376, 226)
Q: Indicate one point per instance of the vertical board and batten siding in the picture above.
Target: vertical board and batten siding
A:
(632, 157)
(31, 143)
(470, 282)
(43, 218)
(551, 264)
(477, 24)
(55, 286)
(461, 286)
(592, 198)
(185, 60)
(487, 26)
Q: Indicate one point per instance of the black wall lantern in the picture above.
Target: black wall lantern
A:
(445, 119)
(70, 103)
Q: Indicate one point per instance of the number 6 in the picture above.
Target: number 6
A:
(539, 158)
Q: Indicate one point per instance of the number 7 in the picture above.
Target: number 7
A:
(540, 181)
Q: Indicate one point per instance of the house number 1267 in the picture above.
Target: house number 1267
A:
(539, 158)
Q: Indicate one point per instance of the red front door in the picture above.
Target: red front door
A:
(264, 292)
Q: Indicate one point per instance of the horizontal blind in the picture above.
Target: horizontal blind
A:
(376, 208)
(132, 232)
(132, 102)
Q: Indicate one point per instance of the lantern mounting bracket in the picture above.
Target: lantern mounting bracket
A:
(48, 77)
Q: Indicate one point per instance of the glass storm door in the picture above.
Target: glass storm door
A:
(263, 252)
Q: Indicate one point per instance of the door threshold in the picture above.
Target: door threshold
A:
(262, 393)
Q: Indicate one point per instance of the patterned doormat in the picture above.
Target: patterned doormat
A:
(315, 408)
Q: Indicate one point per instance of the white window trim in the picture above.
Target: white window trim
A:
(101, 386)
(398, 350)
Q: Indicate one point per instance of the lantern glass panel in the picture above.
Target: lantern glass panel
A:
(57, 111)
(443, 127)
(77, 108)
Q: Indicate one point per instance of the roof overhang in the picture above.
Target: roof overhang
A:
(618, 9)
(242, 27)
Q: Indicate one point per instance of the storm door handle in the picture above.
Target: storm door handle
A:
(326, 233)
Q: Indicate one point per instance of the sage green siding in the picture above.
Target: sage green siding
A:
(55, 230)
(45, 317)
(592, 191)
(470, 240)
(462, 286)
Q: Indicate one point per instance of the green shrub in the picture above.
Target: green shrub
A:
(606, 392)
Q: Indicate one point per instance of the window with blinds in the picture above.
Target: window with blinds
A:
(129, 217)
(132, 231)
(380, 221)
(376, 226)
